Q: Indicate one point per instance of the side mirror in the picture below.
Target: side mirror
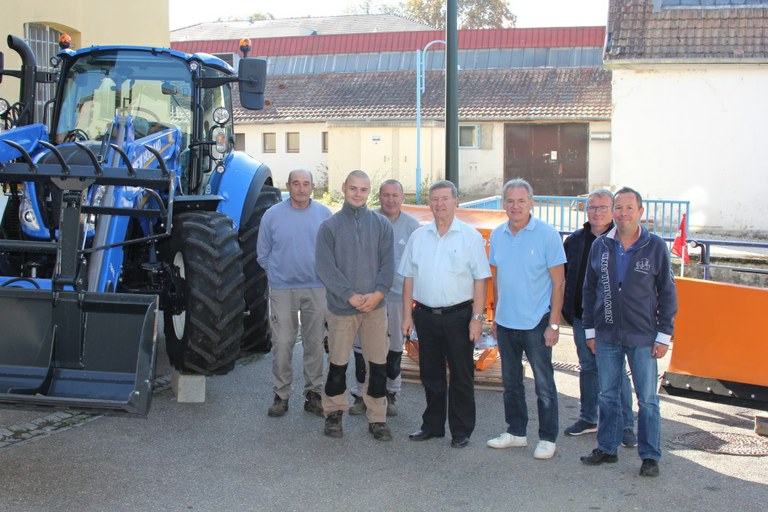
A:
(252, 78)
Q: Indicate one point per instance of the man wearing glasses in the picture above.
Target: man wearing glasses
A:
(599, 221)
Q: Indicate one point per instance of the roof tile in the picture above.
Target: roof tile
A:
(635, 31)
(503, 94)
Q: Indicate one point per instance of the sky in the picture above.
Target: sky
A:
(530, 13)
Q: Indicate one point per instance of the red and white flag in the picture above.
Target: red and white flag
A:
(680, 245)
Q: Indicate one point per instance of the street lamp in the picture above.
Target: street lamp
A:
(421, 61)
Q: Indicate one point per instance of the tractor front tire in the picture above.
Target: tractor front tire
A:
(258, 335)
(204, 338)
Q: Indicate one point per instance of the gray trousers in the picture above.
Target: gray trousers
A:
(288, 307)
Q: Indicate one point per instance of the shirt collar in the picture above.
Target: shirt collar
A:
(432, 226)
(528, 227)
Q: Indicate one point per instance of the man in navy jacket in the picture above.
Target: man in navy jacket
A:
(629, 307)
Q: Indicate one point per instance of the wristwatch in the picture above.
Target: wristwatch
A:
(554, 327)
(477, 316)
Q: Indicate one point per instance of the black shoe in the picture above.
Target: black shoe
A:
(459, 442)
(597, 457)
(333, 427)
(314, 403)
(380, 431)
(423, 435)
(649, 467)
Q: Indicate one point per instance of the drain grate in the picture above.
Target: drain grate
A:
(727, 443)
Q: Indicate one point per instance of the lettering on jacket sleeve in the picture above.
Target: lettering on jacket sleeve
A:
(606, 282)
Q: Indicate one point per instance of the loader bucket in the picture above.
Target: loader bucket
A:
(719, 351)
(86, 351)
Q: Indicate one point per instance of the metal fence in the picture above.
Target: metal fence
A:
(568, 213)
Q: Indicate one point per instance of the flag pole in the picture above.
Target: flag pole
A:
(682, 265)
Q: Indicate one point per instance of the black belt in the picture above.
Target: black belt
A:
(445, 310)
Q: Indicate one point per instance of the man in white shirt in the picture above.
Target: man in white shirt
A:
(446, 270)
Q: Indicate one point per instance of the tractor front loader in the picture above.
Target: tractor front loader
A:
(131, 201)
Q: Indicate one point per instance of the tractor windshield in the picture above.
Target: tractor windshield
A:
(154, 89)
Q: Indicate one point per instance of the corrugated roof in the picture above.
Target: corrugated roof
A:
(494, 94)
(692, 32)
(403, 41)
(353, 24)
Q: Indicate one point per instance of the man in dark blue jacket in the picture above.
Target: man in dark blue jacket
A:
(629, 305)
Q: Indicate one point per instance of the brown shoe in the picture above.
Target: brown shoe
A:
(333, 426)
(380, 431)
(278, 407)
(314, 403)
(391, 404)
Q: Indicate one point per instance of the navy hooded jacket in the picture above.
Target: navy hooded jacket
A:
(638, 311)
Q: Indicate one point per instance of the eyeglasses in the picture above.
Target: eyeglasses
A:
(602, 209)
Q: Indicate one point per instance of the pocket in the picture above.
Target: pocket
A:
(457, 263)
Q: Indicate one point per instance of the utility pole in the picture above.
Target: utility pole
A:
(452, 95)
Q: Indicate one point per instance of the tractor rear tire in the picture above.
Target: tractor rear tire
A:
(205, 337)
(258, 335)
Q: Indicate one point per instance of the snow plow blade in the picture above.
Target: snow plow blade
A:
(719, 350)
(86, 351)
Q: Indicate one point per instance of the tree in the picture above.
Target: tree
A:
(471, 13)
(257, 16)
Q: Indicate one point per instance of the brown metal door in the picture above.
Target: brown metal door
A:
(551, 157)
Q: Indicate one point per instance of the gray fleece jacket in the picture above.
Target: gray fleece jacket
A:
(354, 254)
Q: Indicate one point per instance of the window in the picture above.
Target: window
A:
(324, 142)
(292, 142)
(468, 136)
(269, 142)
(44, 42)
(239, 142)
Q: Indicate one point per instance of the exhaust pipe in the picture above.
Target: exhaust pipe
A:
(28, 87)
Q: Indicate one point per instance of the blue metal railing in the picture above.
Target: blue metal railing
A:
(568, 213)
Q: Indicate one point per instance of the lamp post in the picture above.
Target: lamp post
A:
(421, 61)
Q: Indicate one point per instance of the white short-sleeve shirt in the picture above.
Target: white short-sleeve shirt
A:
(444, 268)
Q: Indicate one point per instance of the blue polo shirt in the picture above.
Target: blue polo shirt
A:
(522, 264)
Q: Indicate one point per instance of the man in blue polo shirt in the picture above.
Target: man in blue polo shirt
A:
(528, 292)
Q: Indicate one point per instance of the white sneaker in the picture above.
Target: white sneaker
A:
(507, 440)
(544, 450)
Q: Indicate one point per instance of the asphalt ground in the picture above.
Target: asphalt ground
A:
(227, 455)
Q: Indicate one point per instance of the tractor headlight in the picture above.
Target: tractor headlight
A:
(220, 136)
(4, 106)
(221, 115)
(28, 217)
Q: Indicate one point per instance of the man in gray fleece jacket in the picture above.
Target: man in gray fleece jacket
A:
(355, 260)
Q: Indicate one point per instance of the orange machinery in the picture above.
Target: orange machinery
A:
(719, 349)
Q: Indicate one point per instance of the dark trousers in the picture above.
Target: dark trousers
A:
(446, 338)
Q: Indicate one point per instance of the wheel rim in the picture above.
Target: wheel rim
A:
(180, 320)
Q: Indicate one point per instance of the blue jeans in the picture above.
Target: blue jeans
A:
(512, 344)
(589, 387)
(610, 360)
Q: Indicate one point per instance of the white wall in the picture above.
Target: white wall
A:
(309, 157)
(599, 173)
(388, 150)
(697, 134)
(481, 170)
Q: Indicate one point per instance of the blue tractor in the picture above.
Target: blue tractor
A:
(127, 200)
